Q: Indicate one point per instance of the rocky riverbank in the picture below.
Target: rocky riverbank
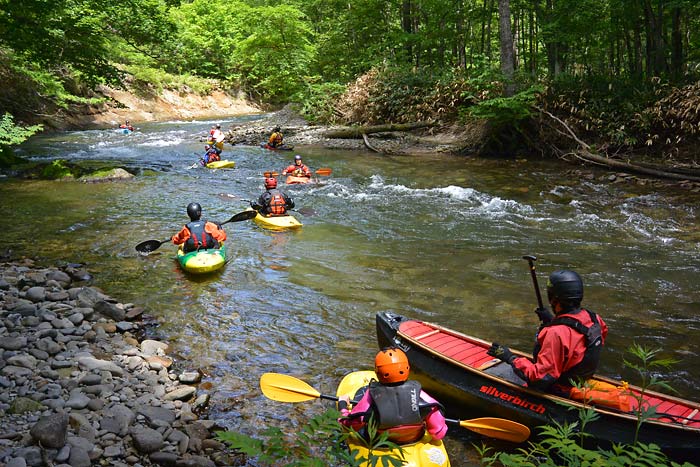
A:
(78, 387)
(297, 131)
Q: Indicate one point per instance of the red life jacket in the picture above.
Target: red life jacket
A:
(278, 206)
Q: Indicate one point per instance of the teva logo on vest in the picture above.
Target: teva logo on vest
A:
(513, 399)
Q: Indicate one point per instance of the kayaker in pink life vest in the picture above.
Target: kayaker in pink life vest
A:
(391, 402)
(569, 343)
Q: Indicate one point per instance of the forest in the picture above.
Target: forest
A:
(617, 76)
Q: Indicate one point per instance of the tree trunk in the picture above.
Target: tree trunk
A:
(407, 25)
(506, 41)
(357, 132)
(676, 44)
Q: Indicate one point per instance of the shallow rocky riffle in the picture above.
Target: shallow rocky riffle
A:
(77, 388)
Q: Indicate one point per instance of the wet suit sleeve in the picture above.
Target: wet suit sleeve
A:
(550, 359)
(181, 237)
(435, 423)
(356, 423)
(289, 202)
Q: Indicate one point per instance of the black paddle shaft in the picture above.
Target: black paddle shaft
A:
(531, 261)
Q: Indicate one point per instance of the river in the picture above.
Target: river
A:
(434, 237)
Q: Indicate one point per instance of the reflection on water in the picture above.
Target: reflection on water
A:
(438, 238)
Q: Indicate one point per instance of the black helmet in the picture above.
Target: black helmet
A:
(194, 210)
(567, 287)
(277, 129)
(218, 125)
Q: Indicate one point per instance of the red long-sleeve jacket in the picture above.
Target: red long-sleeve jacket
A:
(561, 348)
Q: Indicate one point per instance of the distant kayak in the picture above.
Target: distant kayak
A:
(284, 147)
(125, 131)
(293, 180)
(202, 261)
(286, 222)
(222, 164)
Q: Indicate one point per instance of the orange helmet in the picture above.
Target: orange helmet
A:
(391, 366)
(270, 182)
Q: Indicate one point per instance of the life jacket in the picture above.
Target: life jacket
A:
(398, 410)
(277, 205)
(601, 393)
(199, 238)
(594, 345)
(275, 139)
(213, 155)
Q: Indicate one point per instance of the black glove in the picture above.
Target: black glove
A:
(544, 314)
(501, 352)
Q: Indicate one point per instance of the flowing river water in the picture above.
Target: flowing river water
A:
(434, 237)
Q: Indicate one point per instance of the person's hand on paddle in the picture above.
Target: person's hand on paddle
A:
(343, 402)
(544, 314)
(501, 352)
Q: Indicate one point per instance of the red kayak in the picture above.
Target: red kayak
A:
(284, 147)
(455, 369)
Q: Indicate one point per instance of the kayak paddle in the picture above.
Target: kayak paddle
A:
(152, 245)
(285, 388)
(322, 171)
(498, 428)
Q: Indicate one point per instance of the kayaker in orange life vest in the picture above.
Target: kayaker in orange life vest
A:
(199, 233)
(298, 169)
(126, 126)
(272, 202)
(568, 344)
(211, 154)
(391, 403)
(276, 137)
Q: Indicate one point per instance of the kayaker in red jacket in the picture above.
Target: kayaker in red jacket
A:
(568, 344)
(391, 403)
(298, 169)
(211, 154)
(199, 233)
(126, 126)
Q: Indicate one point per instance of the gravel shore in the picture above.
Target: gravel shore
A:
(78, 388)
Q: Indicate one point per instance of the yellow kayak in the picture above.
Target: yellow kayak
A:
(285, 222)
(425, 452)
(223, 164)
(202, 261)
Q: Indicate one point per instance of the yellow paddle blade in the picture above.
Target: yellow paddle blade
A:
(285, 388)
(498, 428)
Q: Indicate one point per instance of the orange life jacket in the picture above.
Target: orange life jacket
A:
(278, 206)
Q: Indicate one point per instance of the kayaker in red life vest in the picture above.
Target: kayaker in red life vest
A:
(276, 137)
(298, 169)
(126, 126)
(199, 233)
(272, 202)
(391, 403)
(568, 344)
(211, 154)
